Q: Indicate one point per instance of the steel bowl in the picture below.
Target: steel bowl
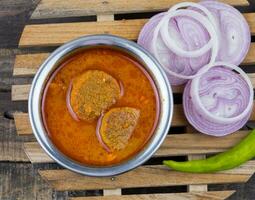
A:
(150, 64)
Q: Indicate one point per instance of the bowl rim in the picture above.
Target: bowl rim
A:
(152, 66)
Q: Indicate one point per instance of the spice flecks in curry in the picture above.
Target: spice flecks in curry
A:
(77, 138)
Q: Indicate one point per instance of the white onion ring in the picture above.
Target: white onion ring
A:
(203, 125)
(194, 92)
(204, 21)
(170, 43)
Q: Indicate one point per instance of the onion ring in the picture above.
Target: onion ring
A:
(217, 119)
(203, 125)
(204, 21)
(170, 43)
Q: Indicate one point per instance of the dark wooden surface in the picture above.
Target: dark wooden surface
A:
(18, 178)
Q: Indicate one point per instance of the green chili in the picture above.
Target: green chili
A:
(232, 158)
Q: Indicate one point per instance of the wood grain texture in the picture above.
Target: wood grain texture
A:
(22, 123)
(21, 181)
(28, 64)
(56, 34)
(173, 145)
(145, 176)
(197, 188)
(112, 192)
(21, 92)
(59, 8)
(36, 154)
(11, 146)
(214, 195)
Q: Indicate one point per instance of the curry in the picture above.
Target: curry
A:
(100, 107)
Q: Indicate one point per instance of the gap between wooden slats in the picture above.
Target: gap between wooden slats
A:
(173, 145)
(144, 176)
(21, 92)
(28, 64)
(213, 195)
(23, 125)
(60, 8)
(56, 34)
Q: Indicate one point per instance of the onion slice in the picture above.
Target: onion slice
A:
(203, 125)
(171, 44)
(233, 29)
(194, 92)
(197, 16)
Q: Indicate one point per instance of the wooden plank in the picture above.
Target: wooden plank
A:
(174, 145)
(250, 17)
(21, 181)
(21, 92)
(112, 192)
(56, 34)
(213, 195)
(36, 154)
(197, 188)
(104, 18)
(28, 64)
(145, 176)
(11, 146)
(22, 123)
(59, 8)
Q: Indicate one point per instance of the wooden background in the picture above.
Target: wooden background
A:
(18, 178)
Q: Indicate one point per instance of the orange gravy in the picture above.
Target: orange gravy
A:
(77, 139)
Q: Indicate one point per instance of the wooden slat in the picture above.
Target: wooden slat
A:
(21, 92)
(60, 8)
(174, 145)
(22, 123)
(28, 64)
(112, 192)
(36, 154)
(213, 195)
(56, 34)
(197, 188)
(145, 176)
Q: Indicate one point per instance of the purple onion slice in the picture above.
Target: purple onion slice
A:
(203, 125)
(233, 29)
(222, 96)
(177, 64)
